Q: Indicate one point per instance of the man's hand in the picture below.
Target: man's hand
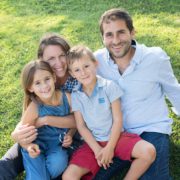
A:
(24, 134)
(33, 150)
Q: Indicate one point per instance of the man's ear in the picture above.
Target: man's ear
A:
(133, 32)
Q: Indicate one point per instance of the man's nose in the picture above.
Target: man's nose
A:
(116, 39)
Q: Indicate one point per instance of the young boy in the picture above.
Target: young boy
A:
(96, 106)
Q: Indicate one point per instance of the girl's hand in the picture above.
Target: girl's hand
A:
(67, 141)
(33, 150)
(24, 134)
(105, 156)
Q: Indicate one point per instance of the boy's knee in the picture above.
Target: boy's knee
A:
(149, 153)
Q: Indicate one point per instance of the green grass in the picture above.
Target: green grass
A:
(23, 22)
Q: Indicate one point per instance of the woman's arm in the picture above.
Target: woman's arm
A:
(57, 121)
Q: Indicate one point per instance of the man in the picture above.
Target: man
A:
(146, 76)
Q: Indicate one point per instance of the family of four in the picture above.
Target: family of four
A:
(114, 97)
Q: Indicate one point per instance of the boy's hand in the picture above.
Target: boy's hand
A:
(33, 150)
(67, 141)
(105, 156)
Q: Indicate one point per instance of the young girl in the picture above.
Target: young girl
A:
(96, 107)
(45, 158)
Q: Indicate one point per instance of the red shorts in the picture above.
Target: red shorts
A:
(84, 156)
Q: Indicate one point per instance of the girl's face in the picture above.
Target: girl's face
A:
(56, 58)
(43, 85)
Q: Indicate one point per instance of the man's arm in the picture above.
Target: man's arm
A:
(169, 83)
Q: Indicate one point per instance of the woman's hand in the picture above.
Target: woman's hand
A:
(24, 134)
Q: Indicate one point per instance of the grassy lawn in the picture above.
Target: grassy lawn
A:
(23, 22)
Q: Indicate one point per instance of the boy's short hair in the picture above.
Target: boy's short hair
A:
(77, 52)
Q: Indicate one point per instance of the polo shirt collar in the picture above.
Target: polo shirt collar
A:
(99, 83)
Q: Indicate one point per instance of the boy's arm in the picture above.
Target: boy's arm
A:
(107, 153)
(117, 124)
(85, 133)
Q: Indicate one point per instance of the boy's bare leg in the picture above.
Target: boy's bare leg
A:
(144, 154)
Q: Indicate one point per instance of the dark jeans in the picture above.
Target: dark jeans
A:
(159, 170)
(11, 163)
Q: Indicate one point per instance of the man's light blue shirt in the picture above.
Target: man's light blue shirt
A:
(96, 109)
(145, 82)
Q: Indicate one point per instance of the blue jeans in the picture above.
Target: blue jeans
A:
(159, 170)
(47, 165)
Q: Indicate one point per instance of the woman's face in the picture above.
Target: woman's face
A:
(56, 58)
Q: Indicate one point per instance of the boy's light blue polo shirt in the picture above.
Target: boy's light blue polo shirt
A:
(96, 109)
(145, 83)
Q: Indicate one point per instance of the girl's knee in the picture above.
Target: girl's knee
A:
(57, 167)
(56, 171)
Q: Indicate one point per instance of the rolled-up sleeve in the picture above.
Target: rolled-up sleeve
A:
(168, 81)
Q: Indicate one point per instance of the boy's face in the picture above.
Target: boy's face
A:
(84, 70)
